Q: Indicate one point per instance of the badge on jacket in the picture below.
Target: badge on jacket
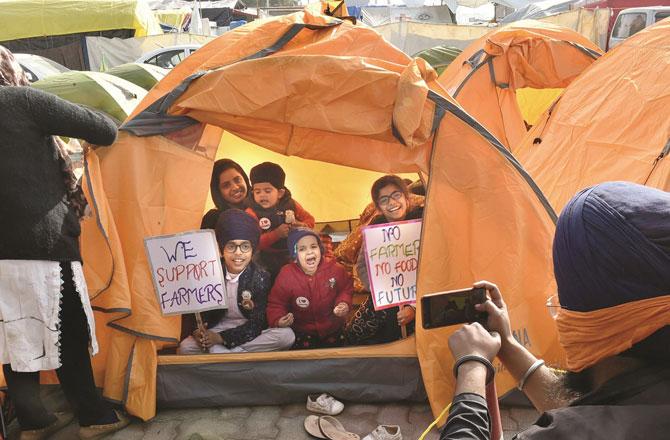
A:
(247, 303)
(264, 223)
(302, 302)
(332, 282)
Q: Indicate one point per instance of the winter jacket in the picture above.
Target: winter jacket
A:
(311, 299)
(254, 283)
(38, 222)
(270, 219)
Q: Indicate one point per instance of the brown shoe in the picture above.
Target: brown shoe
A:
(97, 431)
(62, 420)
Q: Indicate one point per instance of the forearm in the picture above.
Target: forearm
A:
(539, 384)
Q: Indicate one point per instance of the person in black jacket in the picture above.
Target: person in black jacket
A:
(243, 325)
(611, 261)
(46, 321)
(229, 187)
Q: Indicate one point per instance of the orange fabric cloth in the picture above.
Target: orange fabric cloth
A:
(589, 337)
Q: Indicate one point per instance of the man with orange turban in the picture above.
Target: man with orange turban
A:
(612, 268)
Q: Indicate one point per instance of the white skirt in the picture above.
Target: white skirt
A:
(30, 297)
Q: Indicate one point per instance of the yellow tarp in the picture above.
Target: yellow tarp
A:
(339, 94)
(611, 123)
(39, 18)
(528, 55)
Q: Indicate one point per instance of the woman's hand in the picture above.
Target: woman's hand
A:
(406, 315)
(498, 319)
(286, 320)
(474, 339)
(341, 310)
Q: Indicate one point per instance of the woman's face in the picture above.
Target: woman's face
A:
(232, 187)
(392, 203)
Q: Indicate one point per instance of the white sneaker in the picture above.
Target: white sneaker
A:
(324, 404)
(385, 432)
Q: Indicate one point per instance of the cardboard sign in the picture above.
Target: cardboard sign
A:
(186, 271)
(392, 258)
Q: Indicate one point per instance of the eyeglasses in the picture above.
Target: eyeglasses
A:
(232, 247)
(384, 200)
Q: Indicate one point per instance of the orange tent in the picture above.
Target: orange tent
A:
(511, 75)
(612, 123)
(323, 89)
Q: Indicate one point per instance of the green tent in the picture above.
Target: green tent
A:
(141, 74)
(108, 93)
(439, 56)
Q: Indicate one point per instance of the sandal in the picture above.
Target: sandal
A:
(333, 429)
(312, 427)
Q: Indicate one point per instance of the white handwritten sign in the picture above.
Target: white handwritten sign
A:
(187, 272)
(392, 257)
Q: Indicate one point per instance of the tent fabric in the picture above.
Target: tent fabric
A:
(140, 74)
(611, 123)
(527, 54)
(321, 89)
(108, 93)
(439, 57)
(383, 373)
(37, 18)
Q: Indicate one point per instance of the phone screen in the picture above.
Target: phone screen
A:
(454, 307)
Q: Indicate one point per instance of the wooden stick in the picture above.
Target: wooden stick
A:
(403, 331)
(201, 327)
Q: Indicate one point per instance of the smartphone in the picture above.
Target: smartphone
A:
(442, 309)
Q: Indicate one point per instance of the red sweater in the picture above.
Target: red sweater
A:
(311, 299)
(271, 237)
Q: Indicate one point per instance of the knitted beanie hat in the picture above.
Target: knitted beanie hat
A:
(234, 224)
(268, 172)
(295, 235)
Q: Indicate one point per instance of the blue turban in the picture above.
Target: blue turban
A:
(612, 246)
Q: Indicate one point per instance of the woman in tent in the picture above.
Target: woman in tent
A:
(46, 321)
(229, 188)
(391, 197)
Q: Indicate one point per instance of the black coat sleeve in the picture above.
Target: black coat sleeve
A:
(56, 116)
(468, 419)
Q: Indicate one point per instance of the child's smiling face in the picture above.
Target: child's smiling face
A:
(309, 254)
(267, 195)
(237, 255)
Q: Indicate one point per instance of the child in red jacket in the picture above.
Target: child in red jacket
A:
(312, 295)
(277, 212)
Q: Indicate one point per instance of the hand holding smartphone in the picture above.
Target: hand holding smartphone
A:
(453, 307)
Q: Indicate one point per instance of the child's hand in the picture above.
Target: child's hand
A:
(341, 310)
(406, 315)
(210, 338)
(286, 320)
(283, 229)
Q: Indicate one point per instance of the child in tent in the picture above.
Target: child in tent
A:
(242, 327)
(276, 212)
(368, 326)
(312, 295)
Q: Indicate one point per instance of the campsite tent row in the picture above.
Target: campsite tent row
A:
(372, 108)
(338, 95)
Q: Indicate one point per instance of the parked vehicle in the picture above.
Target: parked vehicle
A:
(617, 6)
(633, 20)
(38, 67)
(168, 57)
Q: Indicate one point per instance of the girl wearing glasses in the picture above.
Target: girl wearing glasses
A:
(391, 197)
(243, 326)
